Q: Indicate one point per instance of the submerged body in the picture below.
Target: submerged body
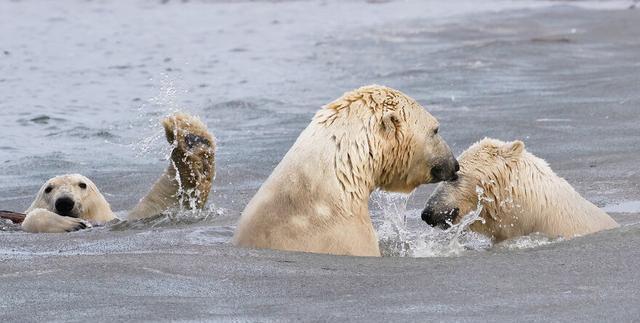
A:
(72, 202)
(519, 194)
(316, 199)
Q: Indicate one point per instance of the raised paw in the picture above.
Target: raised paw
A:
(193, 156)
(187, 132)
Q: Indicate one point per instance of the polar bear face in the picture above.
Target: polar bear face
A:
(485, 168)
(422, 155)
(381, 138)
(74, 196)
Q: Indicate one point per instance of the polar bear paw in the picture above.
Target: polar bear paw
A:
(45, 221)
(193, 157)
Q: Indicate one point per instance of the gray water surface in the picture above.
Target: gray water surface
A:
(83, 85)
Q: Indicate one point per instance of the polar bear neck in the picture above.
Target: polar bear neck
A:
(305, 206)
(350, 130)
(341, 162)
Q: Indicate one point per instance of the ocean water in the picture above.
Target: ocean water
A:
(83, 85)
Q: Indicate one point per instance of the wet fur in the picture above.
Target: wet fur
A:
(192, 158)
(523, 194)
(316, 199)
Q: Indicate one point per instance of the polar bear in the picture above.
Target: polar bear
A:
(73, 202)
(521, 195)
(316, 199)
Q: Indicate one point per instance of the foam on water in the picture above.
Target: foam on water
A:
(624, 207)
(207, 236)
(526, 242)
(169, 218)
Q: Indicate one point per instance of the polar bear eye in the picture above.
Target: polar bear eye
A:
(435, 131)
(48, 189)
(82, 185)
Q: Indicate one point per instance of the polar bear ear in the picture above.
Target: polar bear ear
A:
(514, 148)
(390, 121)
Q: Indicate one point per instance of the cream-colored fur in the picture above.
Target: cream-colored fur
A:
(316, 199)
(522, 195)
(192, 159)
(89, 205)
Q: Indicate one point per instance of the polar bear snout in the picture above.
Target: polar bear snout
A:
(64, 206)
(440, 219)
(445, 171)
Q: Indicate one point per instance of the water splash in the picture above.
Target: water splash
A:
(403, 234)
(188, 199)
(165, 103)
(393, 233)
(458, 230)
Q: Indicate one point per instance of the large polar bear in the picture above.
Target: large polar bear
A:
(316, 199)
(73, 202)
(520, 195)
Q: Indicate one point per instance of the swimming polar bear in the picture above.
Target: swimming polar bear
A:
(522, 195)
(316, 200)
(73, 202)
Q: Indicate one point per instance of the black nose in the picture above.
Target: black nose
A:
(457, 166)
(64, 205)
(441, 220)
(427, 216)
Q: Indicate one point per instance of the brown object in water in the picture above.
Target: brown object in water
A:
(13, 216)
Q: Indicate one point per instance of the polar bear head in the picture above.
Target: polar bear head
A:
(75, 196)
(488, 170)
(383, 135)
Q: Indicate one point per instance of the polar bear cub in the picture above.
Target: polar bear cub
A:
(522, 195)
